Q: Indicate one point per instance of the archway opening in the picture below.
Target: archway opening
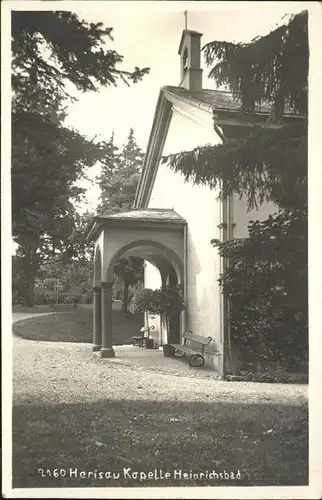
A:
(161, 268)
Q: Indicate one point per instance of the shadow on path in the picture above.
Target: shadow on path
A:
(268, 447)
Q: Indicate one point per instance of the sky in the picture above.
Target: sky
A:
(148, 34)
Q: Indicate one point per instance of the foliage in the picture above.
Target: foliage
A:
(266, 281)
(118, 181)
(54, 46)
(64, 239)
(275, 372)
(266, 274)
(50, 52)
(166, 301)
(271, 68)
(131, 271)
(120, 174)
(62, 256)
(158, 301)
(263, 164)
(251, 166)
(70, 277)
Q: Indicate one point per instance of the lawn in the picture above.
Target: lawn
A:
(267, 444)
(75, 325)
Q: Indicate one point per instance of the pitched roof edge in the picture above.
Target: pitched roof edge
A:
(157, 138)
(210, 108)
(191, 102)
(158, 134)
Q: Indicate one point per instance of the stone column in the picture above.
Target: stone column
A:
(97, 318)
(107, 350)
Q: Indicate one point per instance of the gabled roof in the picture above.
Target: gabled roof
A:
(226, 111)
(149, 218)
(148, 214)
(212, 100)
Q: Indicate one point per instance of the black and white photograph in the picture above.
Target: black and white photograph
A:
(156, 197)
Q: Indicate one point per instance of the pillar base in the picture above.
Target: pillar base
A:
(107, 353)
(97, 347)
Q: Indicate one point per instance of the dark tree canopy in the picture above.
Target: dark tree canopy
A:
(52, 47)
(52, 51)
(118, 181)
(264, 164)
(265, 275)
(271, 68)
(121, 169)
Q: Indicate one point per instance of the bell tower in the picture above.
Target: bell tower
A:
(189, 51)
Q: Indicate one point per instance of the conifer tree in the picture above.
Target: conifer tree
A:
(118, 182)
(51, 50)
(120, 174)
(266, 278)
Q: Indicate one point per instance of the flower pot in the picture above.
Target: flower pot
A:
(148, 343)
(168, 351)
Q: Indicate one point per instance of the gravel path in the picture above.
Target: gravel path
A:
(57, 372)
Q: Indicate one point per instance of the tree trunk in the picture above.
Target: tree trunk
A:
(30, 269)
(31, 292)
(125, 296)
(57, 293)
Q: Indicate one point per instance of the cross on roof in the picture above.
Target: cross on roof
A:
(186, 19)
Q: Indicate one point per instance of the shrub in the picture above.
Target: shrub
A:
(165, 301)
(266, 282)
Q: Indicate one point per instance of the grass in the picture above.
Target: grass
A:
(76, 326)
(268, 445)
(34, 309)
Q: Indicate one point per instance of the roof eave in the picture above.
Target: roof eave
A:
(154, 149)
(104, 224)
(209, 108)
(92, 229)
(236, 119)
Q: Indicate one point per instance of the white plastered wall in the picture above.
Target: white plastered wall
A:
(99, 247)
(200, 207)
(152, 279)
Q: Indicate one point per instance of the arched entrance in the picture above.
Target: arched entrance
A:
(157, 236)
(161, 268)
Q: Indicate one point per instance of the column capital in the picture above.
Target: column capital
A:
(97, 288)
(106, 284)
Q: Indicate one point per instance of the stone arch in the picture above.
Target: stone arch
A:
(164, 266)
(157, 247)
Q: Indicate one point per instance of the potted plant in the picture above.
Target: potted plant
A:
(166, 302)
(171, 305)
(143, 302)
(148, 342)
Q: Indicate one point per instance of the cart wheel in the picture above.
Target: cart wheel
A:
(196, 360)
(141, 342)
